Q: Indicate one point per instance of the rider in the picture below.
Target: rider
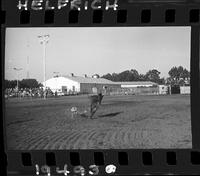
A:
(95, 101)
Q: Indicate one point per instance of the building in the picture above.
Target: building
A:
(86, 85)
(163, 89)
(184, 89)
(132, 84)
(139, 87)
(77, 84)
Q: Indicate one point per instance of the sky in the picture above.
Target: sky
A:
(93, 50)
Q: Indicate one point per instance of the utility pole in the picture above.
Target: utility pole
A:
(44, 39)
(27, 62)
(17, 70)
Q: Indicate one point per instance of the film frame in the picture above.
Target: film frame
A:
(131, 161)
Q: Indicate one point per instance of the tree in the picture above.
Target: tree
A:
(108, 76)
(128, 75)
(135, 75)
(25, 83)
(115, 77)
(29, 83)
(185, 74)
(173, 73)
(141, 77)
(177, 72)
(178, 75)
(154, 76)
(124, 76)
(161, 81)
(10, 84)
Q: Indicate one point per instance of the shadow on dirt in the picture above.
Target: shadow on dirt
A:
(84, 115)
(104, 115)
(111, 114)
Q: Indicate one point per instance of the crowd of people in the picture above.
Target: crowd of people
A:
(28, 92)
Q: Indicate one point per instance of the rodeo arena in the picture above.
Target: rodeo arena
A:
(95, 87)
(82, 112)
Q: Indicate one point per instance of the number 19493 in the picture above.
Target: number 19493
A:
(77, 170)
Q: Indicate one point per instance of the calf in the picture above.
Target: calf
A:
(74, 112)
(95, 101)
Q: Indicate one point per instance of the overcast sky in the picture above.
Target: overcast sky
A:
(96, 50)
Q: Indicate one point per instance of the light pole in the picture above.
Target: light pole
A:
(44, 40)
(17, 69)
(27, 62)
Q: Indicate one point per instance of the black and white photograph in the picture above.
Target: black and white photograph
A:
(97, 88)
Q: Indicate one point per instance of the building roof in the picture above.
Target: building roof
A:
(137, 83)
(80, 79)
(93, 80)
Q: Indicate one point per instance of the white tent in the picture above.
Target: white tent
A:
(59, 83)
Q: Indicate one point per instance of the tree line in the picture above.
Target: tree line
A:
(177, 76)
(24, 83)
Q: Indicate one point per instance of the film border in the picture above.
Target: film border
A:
(133, 15)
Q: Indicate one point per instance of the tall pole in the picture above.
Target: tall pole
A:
(44, 40)
(44, 65)
(27, 74)
(27, 62)
(17, 69)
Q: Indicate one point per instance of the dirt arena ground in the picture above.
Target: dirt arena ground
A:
(121, 122)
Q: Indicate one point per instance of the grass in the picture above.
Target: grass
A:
(120, 122)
